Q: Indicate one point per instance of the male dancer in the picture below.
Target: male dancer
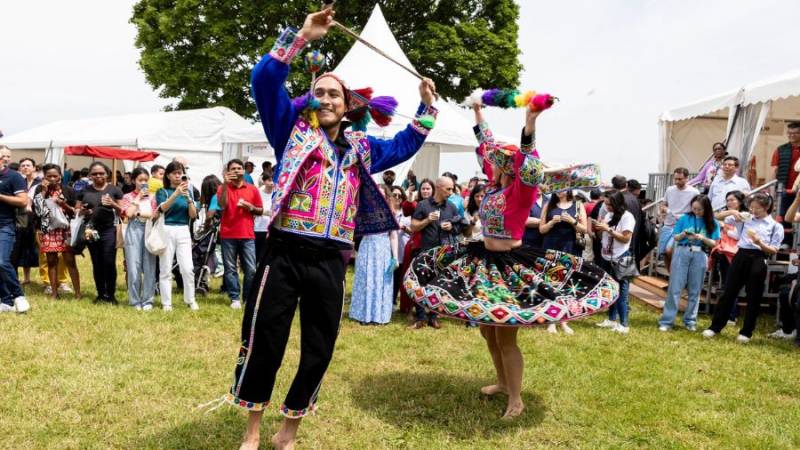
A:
(324, 195)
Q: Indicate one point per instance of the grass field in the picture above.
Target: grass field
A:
(78, 375)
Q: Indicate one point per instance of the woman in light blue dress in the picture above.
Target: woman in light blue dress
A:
(372, 288)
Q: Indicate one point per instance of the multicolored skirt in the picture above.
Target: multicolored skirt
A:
(521, 287)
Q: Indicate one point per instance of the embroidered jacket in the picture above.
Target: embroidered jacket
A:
(319, 192)
(504, 211)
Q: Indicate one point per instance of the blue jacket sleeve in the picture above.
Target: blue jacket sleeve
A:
(387, 153)
(278, 115)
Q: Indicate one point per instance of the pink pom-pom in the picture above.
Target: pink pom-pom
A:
(540, 102)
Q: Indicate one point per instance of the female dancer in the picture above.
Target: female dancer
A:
(499, 283)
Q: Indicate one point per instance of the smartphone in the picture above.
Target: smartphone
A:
(184, 179)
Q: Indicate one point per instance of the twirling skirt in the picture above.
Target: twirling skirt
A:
(521, 287)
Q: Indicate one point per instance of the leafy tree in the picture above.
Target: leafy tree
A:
(201, 52)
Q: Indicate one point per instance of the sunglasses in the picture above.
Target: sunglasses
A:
(98, 174)
(396, 195)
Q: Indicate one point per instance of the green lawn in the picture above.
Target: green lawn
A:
(77, 375)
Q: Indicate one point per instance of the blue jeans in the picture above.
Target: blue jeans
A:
(9, 283)
(687, 270)
(243, 250)
(619, 310)
(141, 266)
(664, 237)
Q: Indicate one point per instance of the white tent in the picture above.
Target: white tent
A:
(363, 67)
(751, 119)
(194, 134)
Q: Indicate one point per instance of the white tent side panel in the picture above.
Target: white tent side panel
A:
(690, 142)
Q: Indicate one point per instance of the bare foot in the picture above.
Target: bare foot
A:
(514, 409)
(493, 389)
(249, 443)
(77, 295)
(282, 442)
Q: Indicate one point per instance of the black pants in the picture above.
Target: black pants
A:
(724, 265)
(749, 270)
(104, 263)
(261, 244)
(286, 274)
(790, 307)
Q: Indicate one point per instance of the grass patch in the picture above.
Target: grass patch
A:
(78, 375)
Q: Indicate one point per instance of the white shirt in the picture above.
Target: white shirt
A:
(402, 236)
(261, 223)
(678, 202)
(626, 223)
(769, 231)
(720, 188)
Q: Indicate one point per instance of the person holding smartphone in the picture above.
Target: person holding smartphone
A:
(175, 201)
(98, 203)
(240, 203)
(138, 206)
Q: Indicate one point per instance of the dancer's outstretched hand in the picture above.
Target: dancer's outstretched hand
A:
(530, 121)
(317, 24)
(427, 91)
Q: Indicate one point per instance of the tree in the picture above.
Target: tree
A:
(201, 52)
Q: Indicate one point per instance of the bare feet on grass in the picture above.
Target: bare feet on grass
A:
(282, 442)
(514, 409)
(493, 390)
(250, 442)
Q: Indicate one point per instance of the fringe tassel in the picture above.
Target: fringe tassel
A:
(218, 402)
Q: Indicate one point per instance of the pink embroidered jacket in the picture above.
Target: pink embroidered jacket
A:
(321, 191)
(504, 211)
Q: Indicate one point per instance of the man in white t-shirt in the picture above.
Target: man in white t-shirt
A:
(727, 181)
(677, 202)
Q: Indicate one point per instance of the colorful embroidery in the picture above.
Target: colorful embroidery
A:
(580, 176)
(288, 45)
(492, 217)
(251, 406)
(418, 125)
(463, 283)
(530, 172)
(297, 413)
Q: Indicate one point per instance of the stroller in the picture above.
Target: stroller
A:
(204, 243)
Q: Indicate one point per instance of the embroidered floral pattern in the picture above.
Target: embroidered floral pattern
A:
(251, 406)
(492, 214)
(296, 413)
(580, 176)
(288, 45)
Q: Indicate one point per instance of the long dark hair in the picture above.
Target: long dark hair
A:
(208, 189)
(739, 196)
(708, 213)
(617, 203)
(472, 205)
(432, 185)
(174, 166)
(553, 202)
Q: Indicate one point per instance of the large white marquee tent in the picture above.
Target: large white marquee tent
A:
(196, 135)
(752, 120)
(362, 67)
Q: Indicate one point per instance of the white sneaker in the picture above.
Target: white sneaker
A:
(64, 288)
(607, 324)
(21, 304)
(166, 308)
(48, 290)
(691, 328)
(621, 329)
(137, 307)
(552, 329)
(147, 307)
(219, 273)
(778, 334)
(236, 304)
(664, 328)
(708, 334)
(6, 308)
(742, 339)
(193, 306)
(567, 330)
(731, 323)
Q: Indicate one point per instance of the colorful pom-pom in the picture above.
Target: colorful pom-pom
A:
(542, 102)
(314, 60)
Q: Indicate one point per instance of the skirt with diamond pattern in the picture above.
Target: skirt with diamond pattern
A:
(521, 287)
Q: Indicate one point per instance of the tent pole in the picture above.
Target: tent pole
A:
(114, 172)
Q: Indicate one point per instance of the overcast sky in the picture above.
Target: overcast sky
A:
(615, 65)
